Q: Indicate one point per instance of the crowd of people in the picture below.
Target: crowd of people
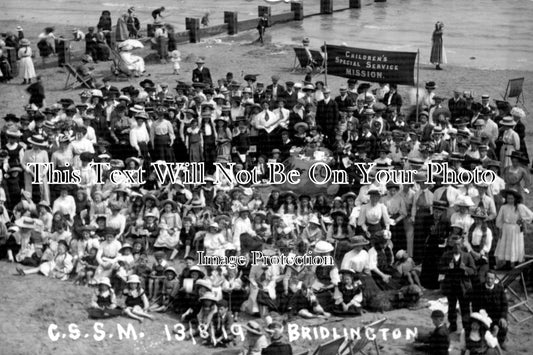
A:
(390, 242)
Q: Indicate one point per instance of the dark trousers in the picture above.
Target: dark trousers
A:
(453, 298)
(502, 332)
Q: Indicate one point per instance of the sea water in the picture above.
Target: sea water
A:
(488, 34)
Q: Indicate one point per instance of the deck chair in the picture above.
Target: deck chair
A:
(514, 89)
(301, 60)
(330, 348)
(78, 79)
(356, 346)
(318, 59)
(520, 296)
(306, 352)
(119, 68)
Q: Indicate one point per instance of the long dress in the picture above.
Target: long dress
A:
(438, 55)
(511, 244)
(27, 69)
(511, 142)
(133, 62)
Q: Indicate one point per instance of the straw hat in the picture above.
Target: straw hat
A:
(105, 281)
(209, 296)
(358, 241)
(323, 247)
(134, 279)
(253, 327)
(517, 195)
(38, 140)
(26, 222)
(13, 133)
(24, 42)
(465, 201)
(482, 317)
(508, 121)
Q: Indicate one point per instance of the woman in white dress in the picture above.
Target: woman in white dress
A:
(134, 63)
(26, 63)
(511, 220)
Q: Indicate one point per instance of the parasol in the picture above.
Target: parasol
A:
(131, 43)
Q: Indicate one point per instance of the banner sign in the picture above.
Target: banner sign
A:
(371, 65)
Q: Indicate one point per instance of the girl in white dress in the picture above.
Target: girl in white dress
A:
(26, 63)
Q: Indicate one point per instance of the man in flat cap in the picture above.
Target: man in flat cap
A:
(276, 88)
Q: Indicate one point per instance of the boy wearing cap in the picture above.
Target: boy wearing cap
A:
(436, 342)
(277, 346)
(222, 322)
(201, 74)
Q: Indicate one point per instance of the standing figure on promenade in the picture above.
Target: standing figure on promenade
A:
(438, 55)
(261, 27)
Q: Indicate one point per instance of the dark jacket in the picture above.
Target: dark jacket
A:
(457, 279)
(458, 108)
(327, 117)
(277, 348)
(395, 101)
(202, 76)
(493, 301)
(439, 341)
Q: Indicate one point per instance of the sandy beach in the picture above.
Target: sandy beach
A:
(29, 305)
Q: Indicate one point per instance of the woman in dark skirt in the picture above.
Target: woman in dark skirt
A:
(438, 55)
(423, 218)
(439, 232)
(162, 137)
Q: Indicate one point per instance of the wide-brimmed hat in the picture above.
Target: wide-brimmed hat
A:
(24, 42)
(221, 218)
(464, 201)
(38, 140)
(150, 197)
(125, 246)
(314, 219)
(202, 282)
(323, 247)
(253, 327)
(482, 317)
(209, 296)
(301, 124)
(45, 204)
(517, 195)
(358, 241)
(172, 203)
(508, 121)
(440, 205)
(104, 281)
(26, 222)
(13, 133)
(374, 190)
(519, 156)
(134, 279)
(134, 159)
(200, 61)
(197, 269)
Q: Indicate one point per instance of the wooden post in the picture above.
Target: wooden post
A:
(326, 7)
(63, 52)
(230, 17)
(150, 30)
(298, 9)
(11, 54)
(355, 4)
(265, 10)
(193, 25)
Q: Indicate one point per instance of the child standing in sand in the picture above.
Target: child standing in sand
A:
(175, 58)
